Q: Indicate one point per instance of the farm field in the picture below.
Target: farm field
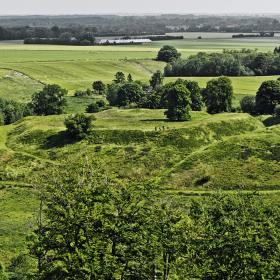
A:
(75, 67)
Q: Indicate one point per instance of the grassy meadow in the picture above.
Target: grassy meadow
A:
(186, 159)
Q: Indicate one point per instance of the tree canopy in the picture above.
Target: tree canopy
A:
(168, 54)
(268, 96)
(178, 102)
(218, 95)
(49, 101)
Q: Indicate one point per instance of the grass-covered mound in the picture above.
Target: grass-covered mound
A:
(129, 140)
(229, 151)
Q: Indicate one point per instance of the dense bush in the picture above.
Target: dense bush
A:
(96, 106)
(99, 87)
(125, 94)
(12, 111)
(78, 125)
(268, 96)
(168, 54)
(226, 64)
(49, 101)
(83, 93)
(248, 104)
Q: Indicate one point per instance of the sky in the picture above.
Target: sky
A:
(31, 7)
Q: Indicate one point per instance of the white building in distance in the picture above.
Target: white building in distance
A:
(123, 41)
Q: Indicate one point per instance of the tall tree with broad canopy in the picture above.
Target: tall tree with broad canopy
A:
(129, 93)
(178, 102)
(268, 96)
(49, 101)
(218, 95)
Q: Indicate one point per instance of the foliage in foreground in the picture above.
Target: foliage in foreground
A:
(95, 227)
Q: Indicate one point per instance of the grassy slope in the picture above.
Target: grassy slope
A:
(17, 208)
(229, 150)
(16, 86)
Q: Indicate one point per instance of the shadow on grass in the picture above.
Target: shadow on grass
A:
(271, 121)
(59, 140)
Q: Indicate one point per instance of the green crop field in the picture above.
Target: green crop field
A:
(224, 151)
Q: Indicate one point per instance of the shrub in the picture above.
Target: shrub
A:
(78, 125)
(248, 104)
(12, 111)
(83, 93)
(95, 106)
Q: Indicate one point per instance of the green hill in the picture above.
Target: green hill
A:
(228, 151)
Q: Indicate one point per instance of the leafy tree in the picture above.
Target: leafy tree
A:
(218, 95)
(277, 50)
(129, 93)
(156, 79)
(56, 31)
(168, 54)
(99, 87)
(119, 78)
(268, 96)
(178, 103)
(196, 97)
(49, 101)
(94, 228)
(12, 111)
(248, 104)
(152, 99)
(112, 94)
(129, 78)
(78, 125)
(237, 237)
